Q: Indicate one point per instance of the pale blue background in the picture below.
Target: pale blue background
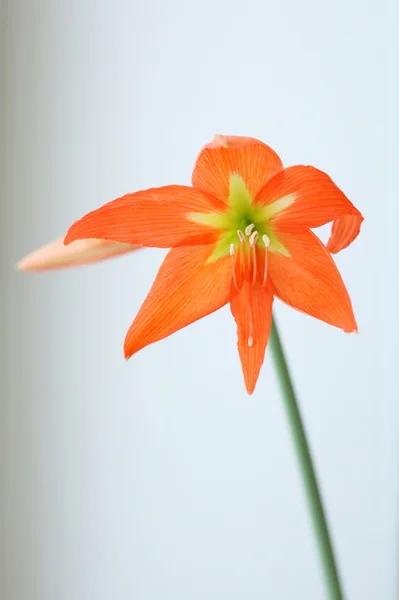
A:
(160, 478)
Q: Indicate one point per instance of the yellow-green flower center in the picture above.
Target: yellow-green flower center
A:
(242, 216)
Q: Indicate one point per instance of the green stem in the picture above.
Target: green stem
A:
(307, 469)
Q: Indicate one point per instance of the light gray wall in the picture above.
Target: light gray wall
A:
(160, 478)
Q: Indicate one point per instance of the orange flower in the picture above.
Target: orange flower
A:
(240, 234)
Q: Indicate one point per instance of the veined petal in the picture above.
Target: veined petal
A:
(254, 161)
(309, 281)
(83, 252)
(303, 197)
(344, 230)
(157, 217)
(252, 311)
(186, 289)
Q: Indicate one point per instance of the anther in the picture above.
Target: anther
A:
(249, 228)
(266, 240)
(241, 236)
(253, 238)
(232, 249)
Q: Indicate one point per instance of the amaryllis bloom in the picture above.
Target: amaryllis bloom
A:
(240, 235)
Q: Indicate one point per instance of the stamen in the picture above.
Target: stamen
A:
(247, 269)
(253, 238)
(249, 228)
(241, 236)
(240, 265)
(250, 337)
(265, 269)
(233, 265)
(255, 267)
(233, 270)
(266, 240)
(236, 265)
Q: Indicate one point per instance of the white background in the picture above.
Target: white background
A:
(160, 478)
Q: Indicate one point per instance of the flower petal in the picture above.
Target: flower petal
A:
(58, 256)
(309, 281)
(157, 217)
(344, 230)
(254, 161)
(252, 311)
(303, 197)
(231, 141)
(186, 289)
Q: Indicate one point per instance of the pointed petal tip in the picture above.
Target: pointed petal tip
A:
(21, 265)
(252, 310)
(126, 353)
(250, 388)
(31, 263)
(187, 288)
(352, 331)
(351, 327)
